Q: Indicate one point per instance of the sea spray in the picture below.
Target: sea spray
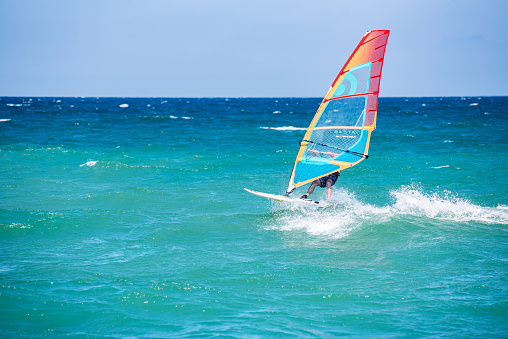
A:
(344, 213)
(444, 205)
(341, 215)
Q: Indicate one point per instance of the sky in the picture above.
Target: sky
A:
(235, 48)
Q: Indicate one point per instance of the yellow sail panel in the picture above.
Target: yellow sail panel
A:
(339, 135)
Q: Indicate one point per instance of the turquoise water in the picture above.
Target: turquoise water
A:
(128, 222)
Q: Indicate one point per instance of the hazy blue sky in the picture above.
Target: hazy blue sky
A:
(231, 48)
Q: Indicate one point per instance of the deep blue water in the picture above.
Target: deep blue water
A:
(126, 217)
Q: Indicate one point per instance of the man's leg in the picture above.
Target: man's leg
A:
(314, 184)
(329, 184)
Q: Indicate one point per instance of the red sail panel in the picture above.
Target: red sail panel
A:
(370, 49)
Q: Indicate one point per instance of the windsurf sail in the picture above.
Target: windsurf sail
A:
(339, 135)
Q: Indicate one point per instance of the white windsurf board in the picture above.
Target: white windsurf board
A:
(283, 198)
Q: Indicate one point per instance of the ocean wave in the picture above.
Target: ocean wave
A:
(163, 117)
(446, 206)
(285, 128)
(18, 105)
(346, 213)
(89, 163)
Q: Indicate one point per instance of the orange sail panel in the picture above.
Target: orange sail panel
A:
(339, 135)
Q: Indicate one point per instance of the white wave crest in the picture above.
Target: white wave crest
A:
(444, 205)
(18, 105)
(337, 220)
(346, 213)
(285, 128)
(89, 163)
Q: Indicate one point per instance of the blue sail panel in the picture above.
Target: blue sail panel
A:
(356, 81)
(310, 169)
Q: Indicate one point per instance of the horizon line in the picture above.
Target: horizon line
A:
(236, 97)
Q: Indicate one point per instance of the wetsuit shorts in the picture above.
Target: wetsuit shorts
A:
(332, 176)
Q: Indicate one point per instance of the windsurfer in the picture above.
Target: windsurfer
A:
(327, 181)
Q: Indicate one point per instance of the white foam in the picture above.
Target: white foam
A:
(19, 225)
(89, 163)
(474, 104)
(276, 112)
(3, 120)
(124, 105)
(346, 213)
(445, 166)
(285, 128)
(444, 205)
(342, 216)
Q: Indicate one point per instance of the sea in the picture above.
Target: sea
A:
(128, 218)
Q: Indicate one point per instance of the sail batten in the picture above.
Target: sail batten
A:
(338, 136)
(348, 96)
